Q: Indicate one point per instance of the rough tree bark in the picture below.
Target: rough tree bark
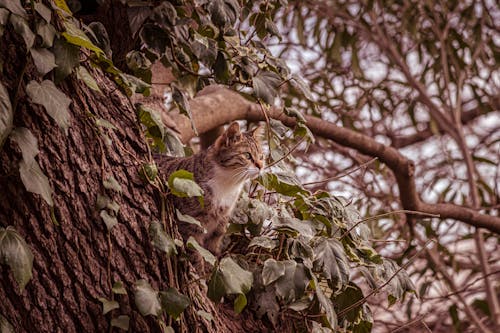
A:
(76, 261)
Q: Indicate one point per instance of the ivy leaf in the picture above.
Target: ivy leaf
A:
(330, 260)
(146, 298)
(283, 184)
(264, 242)
(26, 142)
(44, 60)
(6, 115)
(236, 279)
(32, 176)
(182, 184)
(4, 18)
(22, 27)
(216, 286)
(292, 284)
(14, 6)
(5, 326)
(108, 305)
(67, 57)
(56, 103)
(326, 305)
(44, 11)
(349, 296)
(122, 322)
(174, 302)
(112, 184)
(189, 219)
(83, 74)
(239, 303)
(207, 255)
(76, 36)
(224, 12)
(47, 32)
(299, 84)
(160, 239)
(108, 219)
(265, 85)
(15, 253)
(118, 288)
(272, 271)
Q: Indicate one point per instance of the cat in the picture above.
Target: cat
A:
(221, 171)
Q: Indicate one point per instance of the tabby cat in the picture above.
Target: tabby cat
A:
(220, 171)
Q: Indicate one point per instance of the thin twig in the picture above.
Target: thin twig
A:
(385, 214)
(364, 299)
(343, 174)
(287, 154)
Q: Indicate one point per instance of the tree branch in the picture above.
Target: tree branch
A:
(218, 105)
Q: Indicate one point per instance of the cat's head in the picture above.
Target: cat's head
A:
(239, 153)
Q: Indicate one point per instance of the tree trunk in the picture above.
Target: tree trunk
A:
(77, 260)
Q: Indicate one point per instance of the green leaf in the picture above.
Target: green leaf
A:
(207, 255)
(112, 184)
(182, 103)
(83, 74)
(6, 115)
(174, 302)
(108, 305)
(122, 322)
(182, 184)
(221, 68)
(47, 32)
(4, 18)
(35, 181)
(118, 288)
(272, 271)
(44, 60)
(292, 284)
(108, 219)
(264, 242)
(14, 6)
(56, 103)
(44, 11)
(216, 286)
(301, 86)
(67, 57)
(330, 260)
(236, 279)
(326, 305)
(223, 12)
(5, 326)
(146, 298)
(189, 219)
(76, 36)
(160, 239)
(265, 85)
(283, 184)
(239, 303)
(15, 253)
(21, 26)
(26, 142)
(349, 296)
(32, 176)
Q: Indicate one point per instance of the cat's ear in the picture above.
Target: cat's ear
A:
(232, 134)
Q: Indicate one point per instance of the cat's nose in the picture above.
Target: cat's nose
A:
(259, 164)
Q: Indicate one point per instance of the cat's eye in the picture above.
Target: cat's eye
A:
(248, 156)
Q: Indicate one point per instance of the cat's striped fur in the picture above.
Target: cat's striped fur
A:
(220, 171)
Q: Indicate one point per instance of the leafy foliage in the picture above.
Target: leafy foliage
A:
(297, 251)
(16, 253)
